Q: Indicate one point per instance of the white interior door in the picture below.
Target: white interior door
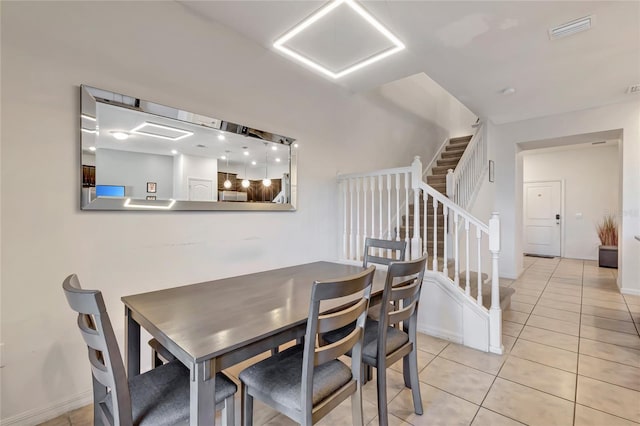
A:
(200, 189)
(542, 221)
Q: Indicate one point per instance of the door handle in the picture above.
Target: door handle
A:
(557, 219)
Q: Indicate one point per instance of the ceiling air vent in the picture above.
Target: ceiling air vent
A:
(634, 89)
(571, 28)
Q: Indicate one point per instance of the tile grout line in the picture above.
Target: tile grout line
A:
(506, 359)
(632, 321)
(575, 405)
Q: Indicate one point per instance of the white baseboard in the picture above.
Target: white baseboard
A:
(630, 291)
(452, 337)
(39, 415)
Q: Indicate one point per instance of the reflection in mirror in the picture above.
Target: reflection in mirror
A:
(138, 155)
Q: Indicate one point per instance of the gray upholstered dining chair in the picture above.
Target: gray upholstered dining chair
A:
(157, 397)
(398, 249)
(383, 344)
(305, 382)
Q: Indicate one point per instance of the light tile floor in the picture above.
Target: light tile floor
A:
(572, 358)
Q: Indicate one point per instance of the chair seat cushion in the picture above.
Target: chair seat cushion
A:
(280, 377)
(395, 339)
(161, 396)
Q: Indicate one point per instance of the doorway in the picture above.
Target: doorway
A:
(542, 218)
(200, 189)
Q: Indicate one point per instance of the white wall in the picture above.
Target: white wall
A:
(134, 170)
(189, 166)
(509, 178)
(48, 50)
(590, 176)
(420, 95)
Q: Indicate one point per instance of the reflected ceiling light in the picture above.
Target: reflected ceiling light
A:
(121, 136)
(129, 204)
(253, 163)
(223, 157)
(221, 137)
(295, 145)
(88, 117)
(278, 160)
(227, 182)
(147, 129)
(245, 181)
(266, 181)
(92, 148)
(274, 148)
(94, 131)
(173, 151)
(329, 7)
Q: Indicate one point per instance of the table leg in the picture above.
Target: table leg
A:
(132, 344)
(202, 405)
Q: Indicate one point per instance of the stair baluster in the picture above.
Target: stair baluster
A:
(467, 288)
(479, 266)
(456, 253)
(445, 214)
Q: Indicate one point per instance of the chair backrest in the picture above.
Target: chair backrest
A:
(388, 251)
(400, 298)
(358, 285)
(107, 369)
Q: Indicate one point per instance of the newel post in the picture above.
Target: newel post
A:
(495, 313)
(416, 180)
(450, 190)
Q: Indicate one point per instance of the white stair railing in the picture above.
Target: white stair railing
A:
(462, 183)
(383, 204)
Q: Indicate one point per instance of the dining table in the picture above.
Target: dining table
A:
(213, 325)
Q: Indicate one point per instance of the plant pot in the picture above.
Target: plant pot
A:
(608, 257)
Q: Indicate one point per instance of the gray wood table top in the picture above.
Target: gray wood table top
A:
(207, 320)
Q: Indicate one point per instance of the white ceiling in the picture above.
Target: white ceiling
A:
(203, 143)
(472, 49)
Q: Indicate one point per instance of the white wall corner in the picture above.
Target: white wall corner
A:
(629, 291)
(40, 415)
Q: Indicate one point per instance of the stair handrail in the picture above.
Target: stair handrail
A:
(463, 182)
(391, 171)
(371, 199)
(435, 158)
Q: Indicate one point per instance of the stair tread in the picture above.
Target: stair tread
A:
(460, 139)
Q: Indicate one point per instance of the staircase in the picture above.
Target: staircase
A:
(465, 307)
(448, 159)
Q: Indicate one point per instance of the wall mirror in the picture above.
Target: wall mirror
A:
(139, 155)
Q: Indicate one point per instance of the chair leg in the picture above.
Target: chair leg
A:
(367, 373)
(381, 379)
(405, 371)
(247, 406)
(228, 413)
(275, 351)
(155, 359)
(412, 360)
(356, 407)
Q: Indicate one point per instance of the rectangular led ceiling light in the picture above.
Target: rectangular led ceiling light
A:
(148, 205)
(324, 11)
(570, 28)
(161, 131)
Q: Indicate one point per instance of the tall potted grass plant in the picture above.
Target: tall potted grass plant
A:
(608, 234)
